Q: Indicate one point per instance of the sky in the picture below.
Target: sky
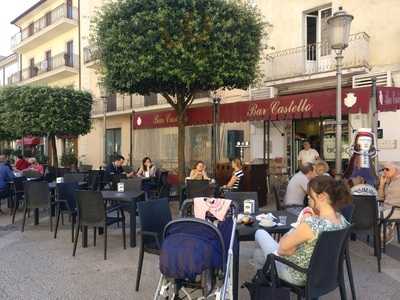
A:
(9, 12)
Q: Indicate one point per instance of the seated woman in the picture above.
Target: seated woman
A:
(147, 169)
(34, 165)
(326, 196)
(234, 183)
(321, 168)
(199, 171)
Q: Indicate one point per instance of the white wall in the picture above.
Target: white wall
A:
(390, 144)
(277, 140)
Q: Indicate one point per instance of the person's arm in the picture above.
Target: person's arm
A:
(10, 175)
(232, 181)
(289, 242)
(153, 171)
(192, 174)
(205, 176)
(300, 158)
(381, 189)
(140, 172)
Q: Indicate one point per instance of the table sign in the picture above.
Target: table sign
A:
(249, 206)
(121, 187)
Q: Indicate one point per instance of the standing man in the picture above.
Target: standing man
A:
(308, 154)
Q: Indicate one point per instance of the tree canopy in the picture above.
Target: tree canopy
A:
(178, 48)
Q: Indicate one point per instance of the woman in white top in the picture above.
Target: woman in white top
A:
(147, 169)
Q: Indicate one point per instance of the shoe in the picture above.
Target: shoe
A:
(389, 234)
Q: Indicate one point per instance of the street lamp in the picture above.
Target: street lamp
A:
(104, 97)
(338, 32)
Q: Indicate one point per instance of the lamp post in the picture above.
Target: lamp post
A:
(104, 97)
(215, 132)
(339, 32)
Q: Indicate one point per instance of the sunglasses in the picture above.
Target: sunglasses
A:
(385, 169)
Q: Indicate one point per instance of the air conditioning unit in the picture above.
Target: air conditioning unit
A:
(382, 79)
(262, 93)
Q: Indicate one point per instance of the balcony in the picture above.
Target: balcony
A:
(55, 68)
(116, 105)
(90, 57)
(315, 61)
(52, 24)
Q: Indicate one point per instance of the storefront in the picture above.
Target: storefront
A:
(275, 128)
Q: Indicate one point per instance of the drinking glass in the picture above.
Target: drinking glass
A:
(282, 220)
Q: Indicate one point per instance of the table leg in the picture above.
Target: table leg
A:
(132, 232)
(36, 216)
(84, 236)
(52, 206)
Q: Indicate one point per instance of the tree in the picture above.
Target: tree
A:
(45, 111)
(178, 48)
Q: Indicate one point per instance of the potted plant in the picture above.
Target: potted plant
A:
(69, 160)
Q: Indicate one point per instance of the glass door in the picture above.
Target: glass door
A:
(113, 142)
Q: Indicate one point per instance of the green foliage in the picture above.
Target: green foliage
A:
(68, 160)
(178, 47)
(45, 110)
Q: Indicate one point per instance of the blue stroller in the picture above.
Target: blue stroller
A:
(196, 260)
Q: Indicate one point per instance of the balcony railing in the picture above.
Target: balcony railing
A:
(90, 54)
(316, 58)
(117, 103)
(62, 11)
(48, 65)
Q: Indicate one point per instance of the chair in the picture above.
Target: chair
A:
(278, 202)
(197, 188)
(85, 168)
(385, 221)
(366, 219)
(328, 255)
(163, 186)
(94, 180)
(17, 194)
(239, 198)
(92, 212)
(66, 203)
(31, 174)
(74, 177)
(154, 215)
(134, 184)
(37, 195)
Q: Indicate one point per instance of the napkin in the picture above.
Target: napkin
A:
(265, 216)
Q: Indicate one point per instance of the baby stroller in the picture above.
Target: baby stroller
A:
(196, 260)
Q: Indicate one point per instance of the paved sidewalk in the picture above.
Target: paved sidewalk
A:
(34, 265)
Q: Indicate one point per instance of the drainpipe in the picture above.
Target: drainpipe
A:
(79, 44)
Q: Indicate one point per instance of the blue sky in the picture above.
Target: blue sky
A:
(10, 10)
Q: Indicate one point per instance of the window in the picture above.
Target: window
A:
(316, 33)
(69, 54)
(112, 103)
(234, 136)
(69, 9)
(113, 142)
(150, 99)
(47, 65)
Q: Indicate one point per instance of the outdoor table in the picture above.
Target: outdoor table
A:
(247, 232)
(127, 200)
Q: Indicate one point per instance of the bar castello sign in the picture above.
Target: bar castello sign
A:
(278, 108)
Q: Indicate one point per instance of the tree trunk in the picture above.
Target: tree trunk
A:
(181, 146)
(52, 141)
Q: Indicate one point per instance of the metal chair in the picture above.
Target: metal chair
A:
(134, 184)
(154, 215)
(239, 198)
(66, 203)
(17, 194)
(31, 174)
(37, 195)
(328, 255)
(92, 212)
(74, 177)
(197, 188)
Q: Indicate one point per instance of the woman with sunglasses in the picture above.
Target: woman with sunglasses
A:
(326, 197)
(389, 188)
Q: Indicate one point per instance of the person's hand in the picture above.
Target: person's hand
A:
(307, 212)
(382, 181)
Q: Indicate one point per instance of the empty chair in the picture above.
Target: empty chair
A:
(239, 198)
(94, 180)
(66, 203)
(17, 194)
(133, 184)
(198, 188)
(31, 174)
(325, 272)
(74, 177)
(37, 195)
(365, 218)
(154, 215)
(92, 213)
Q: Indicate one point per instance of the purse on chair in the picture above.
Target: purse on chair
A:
(264, 284)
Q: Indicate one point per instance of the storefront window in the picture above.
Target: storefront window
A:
(113, 142)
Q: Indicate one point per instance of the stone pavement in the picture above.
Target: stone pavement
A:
(34, 265)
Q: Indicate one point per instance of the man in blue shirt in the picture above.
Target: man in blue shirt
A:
(6, 175)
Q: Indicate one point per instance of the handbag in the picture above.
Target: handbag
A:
(264, 285)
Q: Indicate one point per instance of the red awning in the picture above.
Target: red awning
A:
(297, 106)
(30, 141)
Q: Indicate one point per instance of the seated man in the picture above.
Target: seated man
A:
(115, 167)
(389, 188)
(6, 175)
(297, 188)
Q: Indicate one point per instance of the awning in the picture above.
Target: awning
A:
(30, 141)
(298, 106)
